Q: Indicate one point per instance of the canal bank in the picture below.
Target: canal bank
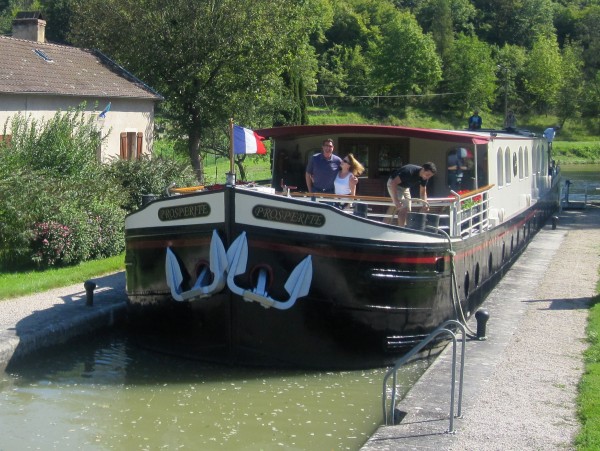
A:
(520, 384)
(37, 321)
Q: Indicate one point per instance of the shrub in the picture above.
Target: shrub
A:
(65, 145)
(52, 244)
(57, 207)
(147, 176)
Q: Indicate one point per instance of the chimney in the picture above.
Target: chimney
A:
(29, 25)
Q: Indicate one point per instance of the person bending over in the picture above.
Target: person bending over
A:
(400, 182)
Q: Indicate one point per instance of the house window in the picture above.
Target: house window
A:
(131, 145)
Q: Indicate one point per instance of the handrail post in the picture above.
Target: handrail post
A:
(442, 329)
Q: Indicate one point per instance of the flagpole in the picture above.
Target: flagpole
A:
(231, 173)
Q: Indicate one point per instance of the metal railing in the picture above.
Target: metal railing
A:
(460, 215)
(392, 372)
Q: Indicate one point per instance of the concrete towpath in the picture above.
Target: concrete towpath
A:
(520, 385)
(33, 322)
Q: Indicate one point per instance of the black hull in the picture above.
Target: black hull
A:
(369, 301)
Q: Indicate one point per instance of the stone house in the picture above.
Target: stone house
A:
(39, 78)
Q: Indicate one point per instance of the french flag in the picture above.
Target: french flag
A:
(246, 141)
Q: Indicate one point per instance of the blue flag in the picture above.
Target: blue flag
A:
(104, 111)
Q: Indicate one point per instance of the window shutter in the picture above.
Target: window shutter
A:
(123, 150)
(140, 135)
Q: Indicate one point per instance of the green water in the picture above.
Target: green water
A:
(108, 393)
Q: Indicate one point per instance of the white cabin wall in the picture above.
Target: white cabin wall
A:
(531, 178)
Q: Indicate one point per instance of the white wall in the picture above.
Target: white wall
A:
(125, 115)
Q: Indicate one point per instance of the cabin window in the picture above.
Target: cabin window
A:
(507, 167)
(379, 156)
(526, 158)
(131, 145)
(500, 167)
(520, 163)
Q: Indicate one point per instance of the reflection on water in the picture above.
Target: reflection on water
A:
(107, 393)
(585, 182)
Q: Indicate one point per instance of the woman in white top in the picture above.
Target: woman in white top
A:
(346, 180)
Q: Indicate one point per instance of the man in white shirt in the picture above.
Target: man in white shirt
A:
(549, 134)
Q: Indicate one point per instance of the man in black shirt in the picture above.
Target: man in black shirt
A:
(400, 182)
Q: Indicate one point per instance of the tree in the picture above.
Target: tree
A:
(591, 103)
(516, 22)
(209, 59)
(588, 33)
(345, 67)
(510, 63)
(405, 59)
(443, 19)
(470, 74)
(571, 91)
(542, 77)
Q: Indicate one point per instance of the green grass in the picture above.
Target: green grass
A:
(24, 283)
(577, 152)
(588, 400)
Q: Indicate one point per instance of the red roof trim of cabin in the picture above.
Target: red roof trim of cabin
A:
(408, 132)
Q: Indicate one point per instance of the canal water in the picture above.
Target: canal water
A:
(106, 392)
(584, 182)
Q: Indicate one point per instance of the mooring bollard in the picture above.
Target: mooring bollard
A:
(554, 221)
(89, 292)
(482, 317)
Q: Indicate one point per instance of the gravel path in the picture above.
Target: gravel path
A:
(530, 400)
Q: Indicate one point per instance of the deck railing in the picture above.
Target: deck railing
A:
(461, 214)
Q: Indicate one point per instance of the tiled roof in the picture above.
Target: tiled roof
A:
(30, 67)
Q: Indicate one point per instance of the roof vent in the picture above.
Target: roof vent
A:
(43, 55)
